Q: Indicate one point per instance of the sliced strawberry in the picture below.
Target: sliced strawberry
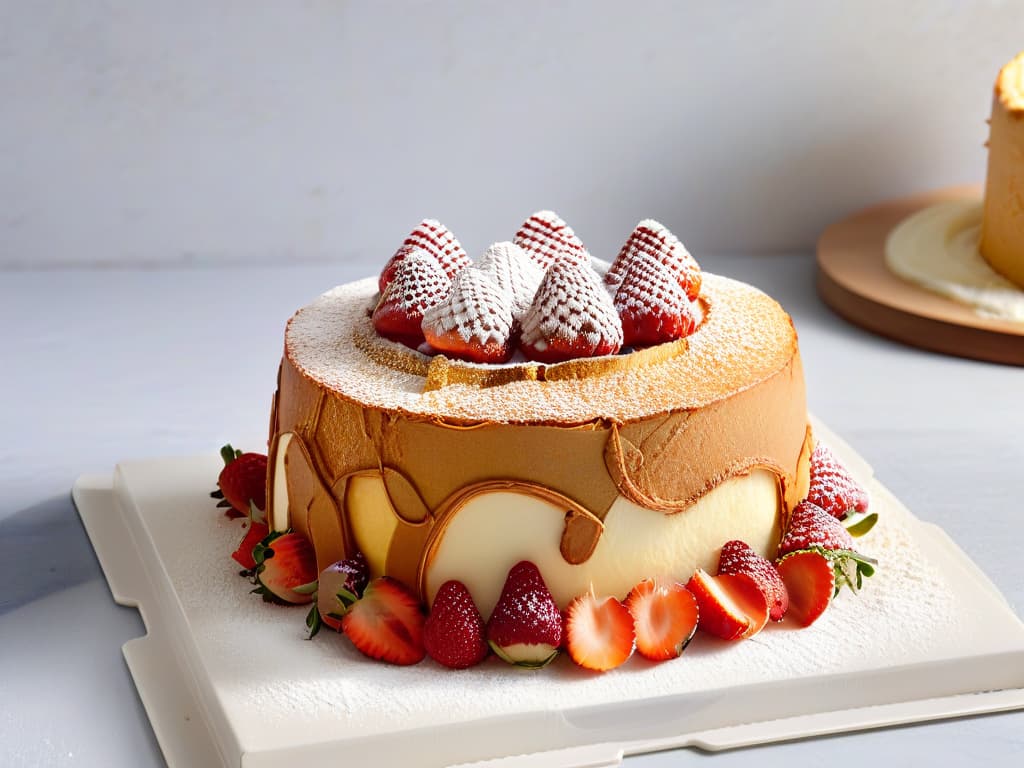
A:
(254, 534)
(832, 487)
(525, 627)
(598, 632)
(654, 240)
(652, 304)
(514, 272)
(665, 618)
(433, 238)
(340, 584)
(386, 623)
(738, 557)
(731, 607)
(547, 239)
(571, 316)
(474, 322)
(810, 582)
(285, 568)
(454, 631)
(812, 528)
(243, 480)
(418, 283)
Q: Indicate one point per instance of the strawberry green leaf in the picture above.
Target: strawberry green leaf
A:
(305, 589)
(859, 524)
(313, 622)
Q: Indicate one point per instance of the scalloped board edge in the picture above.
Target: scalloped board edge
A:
(193, 730)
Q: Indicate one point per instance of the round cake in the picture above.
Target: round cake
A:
(1002, 230)
(602, 471)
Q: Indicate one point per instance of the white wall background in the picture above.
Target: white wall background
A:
(248, 131)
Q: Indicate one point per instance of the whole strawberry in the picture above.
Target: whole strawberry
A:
(285, 568)
(417, 284)
(832, 487)
(525, 627)
(242, 481)
(546, 239)
(454, 631)
(738, 557)
(433, 239)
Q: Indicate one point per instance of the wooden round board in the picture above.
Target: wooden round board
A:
(854, 280)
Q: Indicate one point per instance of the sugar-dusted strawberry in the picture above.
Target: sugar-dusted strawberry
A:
(285, 568)
(598, 632)
(738, 557)
(515, 272)
(731, 606)
(339, 585)
(386, 623)
(652, 304)
(474, 322)
(255, 532)
(243, 480)
(571, 316)
(454, 631)
(525, 627)
(665, 618)
(832, 487)
(434, 239)
(655, 240)
(812, 528)
(547, 239)
(417, 284)
(810, 583)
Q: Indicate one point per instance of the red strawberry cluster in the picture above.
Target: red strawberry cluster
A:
(384, 619)
(539, 294)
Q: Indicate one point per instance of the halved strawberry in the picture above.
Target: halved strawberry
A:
(731, 607)
(571, 316)
(243, 480)
(810, 582)
(812, 528)
(547, 239)
(454, 631)
(525, 627)
(665, 617)
(386, 623)
(652, 304)
(832, 487)
(598, 632)
(738, 557)
(417, 283)
(285, 568)
(339, 585)
(474, 322)
(254, 534)
(435, 240)
(653, 239)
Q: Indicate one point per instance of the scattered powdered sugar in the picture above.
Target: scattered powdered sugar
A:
(514, 271)
(478, 309)
(546, 238)
(745, 338)
(264, 672)
(571, 303)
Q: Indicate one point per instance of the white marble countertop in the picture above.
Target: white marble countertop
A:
(103, 365)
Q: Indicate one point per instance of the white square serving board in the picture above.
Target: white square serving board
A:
(229, 680)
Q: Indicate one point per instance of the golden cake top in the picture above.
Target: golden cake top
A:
(745, 337)
(1010, 85)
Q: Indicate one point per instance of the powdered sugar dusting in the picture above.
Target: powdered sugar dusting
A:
(514, 271)
(652, 240)
(546, 238)
(745, 338)
(435, 239)
(478, 309)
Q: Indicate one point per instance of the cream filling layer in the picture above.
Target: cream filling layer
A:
(937, 248)
(497, 529)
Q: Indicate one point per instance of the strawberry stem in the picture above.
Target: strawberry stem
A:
(229, 454)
